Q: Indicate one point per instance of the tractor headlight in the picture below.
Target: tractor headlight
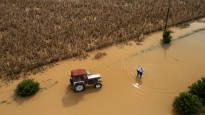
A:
(99, 80)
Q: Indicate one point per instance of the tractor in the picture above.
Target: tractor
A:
(81, 77)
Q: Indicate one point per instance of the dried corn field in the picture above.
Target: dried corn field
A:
(37, 32)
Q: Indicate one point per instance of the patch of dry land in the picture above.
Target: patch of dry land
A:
(38, 32)
(169, 70)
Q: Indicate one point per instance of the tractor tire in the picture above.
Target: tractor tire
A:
(71, 82)
(98, 85)
(79, 87)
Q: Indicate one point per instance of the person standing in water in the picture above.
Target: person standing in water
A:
(140, 71)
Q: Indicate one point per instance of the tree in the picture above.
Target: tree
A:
(198, 89)
(187, 104)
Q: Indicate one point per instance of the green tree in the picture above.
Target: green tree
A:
(198, 89)
(187, 104)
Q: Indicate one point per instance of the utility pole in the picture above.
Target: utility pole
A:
(165, 28)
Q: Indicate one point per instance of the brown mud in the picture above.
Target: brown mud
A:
(169, 70)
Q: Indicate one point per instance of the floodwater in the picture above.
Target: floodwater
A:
(169, 70)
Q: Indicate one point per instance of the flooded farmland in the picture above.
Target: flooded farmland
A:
(169, 70)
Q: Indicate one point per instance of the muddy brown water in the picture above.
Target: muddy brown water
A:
(169, 70)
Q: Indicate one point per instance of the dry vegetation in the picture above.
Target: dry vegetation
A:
(99, 55)
(38, 32)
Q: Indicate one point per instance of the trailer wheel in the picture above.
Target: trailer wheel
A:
(79, 87)
(98, 85)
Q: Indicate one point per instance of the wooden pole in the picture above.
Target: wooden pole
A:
(165, 28)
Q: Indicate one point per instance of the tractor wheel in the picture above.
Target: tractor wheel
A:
(98, 85)
(71, 82)
(79, 87)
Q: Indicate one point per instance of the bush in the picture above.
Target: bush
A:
(187, 104)
(27, 87)
(198, 89)
(166, 37)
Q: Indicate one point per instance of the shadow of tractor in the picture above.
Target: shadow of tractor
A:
(72, 98)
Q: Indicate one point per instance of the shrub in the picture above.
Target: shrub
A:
(198, 89)
(166, 37)
(27, 87)
(187, 104)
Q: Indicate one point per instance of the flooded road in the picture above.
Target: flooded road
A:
(169, 70)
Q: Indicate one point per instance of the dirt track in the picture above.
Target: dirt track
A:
(168, 71)
(38, 32)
